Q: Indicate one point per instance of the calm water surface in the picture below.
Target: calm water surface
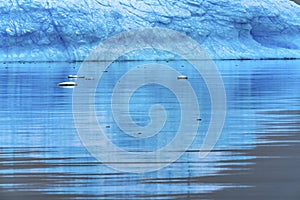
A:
(42, 157)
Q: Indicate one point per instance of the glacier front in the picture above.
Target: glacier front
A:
(44, 30)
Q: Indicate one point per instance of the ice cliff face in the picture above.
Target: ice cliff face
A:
(44, 30)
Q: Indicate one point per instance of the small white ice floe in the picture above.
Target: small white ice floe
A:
(75, 76)
(67, 84)
(182, 77)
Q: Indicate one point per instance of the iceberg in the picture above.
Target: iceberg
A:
(44, 30)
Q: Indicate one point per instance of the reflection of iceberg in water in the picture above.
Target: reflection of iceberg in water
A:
(41, 151)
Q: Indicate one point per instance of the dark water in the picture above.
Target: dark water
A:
(257, 155)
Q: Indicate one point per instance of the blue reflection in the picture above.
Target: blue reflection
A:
(41, 151)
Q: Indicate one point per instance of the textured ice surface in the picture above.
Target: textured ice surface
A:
(69, 30)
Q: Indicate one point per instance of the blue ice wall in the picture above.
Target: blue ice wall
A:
(44, 30)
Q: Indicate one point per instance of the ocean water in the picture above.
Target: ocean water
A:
(43, 157)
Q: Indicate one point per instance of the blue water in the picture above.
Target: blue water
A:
(41, 154)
